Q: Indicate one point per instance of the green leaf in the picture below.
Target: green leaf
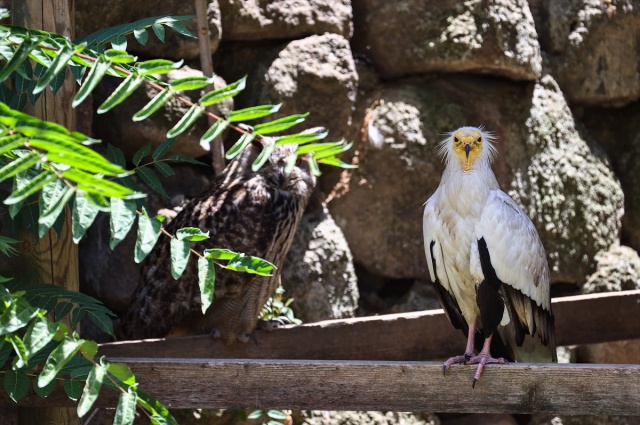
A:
(98, 70)
(240, 145)
(154, 104)
(176, 26)
(253, 113)
(323, 147)
(190, 83)
(105, 35)
(141, 35)
(38, 335)
(62, 309)
(191, 234)
(10, 142)
(57, 65)
(77, 315)
(252, 265)
(164, 168)
(30, 188)
(158, 30)
(45, 391)
(335, 162)
(19, 348)
(16, 384)
(76, 155)
(280, 124)
(16, 316)
(151, 178)
(141, 153)
(263, 157)
(313, 166)
(99, 186)
(19, 165)
(89, 349)
(84, 213)
(125, 412)
(57, 359)
(291, 163)
(148, 234)
(256, 414)
(213, 132)
(218, 95)
(73, 388)
(277, 414)
(115, 155)
(102, 321)
(20, 55)
(157, 67)
(157, 409)
(91, 389)
(162, 149)
(123, 215)
(180, 252)
(119, 56)
(121, 93)
(186, 121)
(219, 254)
(302, 138)
(5, 351)
(119, 42)
(53, 198)
(178, 157)
(123, 373)
(319, 154)
(206, 282)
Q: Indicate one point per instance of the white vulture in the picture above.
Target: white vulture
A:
(486, 259)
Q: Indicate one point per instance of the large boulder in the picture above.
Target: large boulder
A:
(315, 74)
(284, 19)
(92, 16)
(618, 131)
(412, 36)
(562, 180)
(591, 48)
(318, 272)
(116, 126)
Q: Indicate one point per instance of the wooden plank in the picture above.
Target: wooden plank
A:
(424, 335)
(378, 385)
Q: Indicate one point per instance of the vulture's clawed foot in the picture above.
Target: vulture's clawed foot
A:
(481, 360)
(463, 359)
(269, 325)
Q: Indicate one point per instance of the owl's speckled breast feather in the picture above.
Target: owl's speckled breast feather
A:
(255, 213)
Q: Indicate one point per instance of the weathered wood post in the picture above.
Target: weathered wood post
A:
(55, 257)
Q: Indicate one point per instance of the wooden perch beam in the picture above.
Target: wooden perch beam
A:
(560, 389)
(584, 319)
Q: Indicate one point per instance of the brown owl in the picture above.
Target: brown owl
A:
(255, 213)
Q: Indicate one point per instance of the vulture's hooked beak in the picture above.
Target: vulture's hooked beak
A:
(467, 149)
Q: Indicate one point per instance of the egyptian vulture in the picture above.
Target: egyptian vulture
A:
(486, 259)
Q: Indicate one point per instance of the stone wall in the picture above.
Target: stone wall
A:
(557, 81)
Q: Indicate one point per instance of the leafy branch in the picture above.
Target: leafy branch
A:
(25, 331)
(54, 53)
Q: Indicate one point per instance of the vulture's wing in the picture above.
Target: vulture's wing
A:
(432, 225)
(509, 249)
